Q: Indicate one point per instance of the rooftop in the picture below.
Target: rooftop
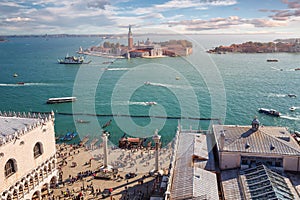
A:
(189, 180)
(266, 140)
(262, 183)
(15, 124)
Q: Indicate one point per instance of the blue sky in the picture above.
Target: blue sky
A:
(151, 16)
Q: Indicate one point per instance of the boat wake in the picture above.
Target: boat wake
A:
(115, 69)
(290, 117)
(168, 85)
(280, 69)
(277, 95)
(142, 103)
(21, 84)
(139, 103)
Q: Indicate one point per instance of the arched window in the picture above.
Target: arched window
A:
(37, 150)
(10, 167)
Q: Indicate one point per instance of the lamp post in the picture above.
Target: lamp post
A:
(105, 136)
(156, 139)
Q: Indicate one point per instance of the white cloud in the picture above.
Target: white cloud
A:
(18, 19)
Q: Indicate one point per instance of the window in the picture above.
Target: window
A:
(37, 150)
(10, 167)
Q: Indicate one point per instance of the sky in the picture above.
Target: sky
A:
(23, 17)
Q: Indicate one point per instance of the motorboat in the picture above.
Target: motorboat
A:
(292, 95)
(15, 75)
(293, 108)
(147, 83)
(20, 83)
(272, 60)
(269, 112)
(150, 103)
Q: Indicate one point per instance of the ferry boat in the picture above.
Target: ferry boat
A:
(269, 112)
(72, 60)
(61, 100)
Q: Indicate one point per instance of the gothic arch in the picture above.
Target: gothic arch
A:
(36, 195)
(10, 167)
(53, 182)
(38, 149)
(15, 195)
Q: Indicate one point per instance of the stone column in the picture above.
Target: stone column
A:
(105, 150)
(156, 139)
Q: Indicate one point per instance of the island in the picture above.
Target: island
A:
(143, 49)
(279, 45)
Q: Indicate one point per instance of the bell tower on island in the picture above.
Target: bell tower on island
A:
(130, 39)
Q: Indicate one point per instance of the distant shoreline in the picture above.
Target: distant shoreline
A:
(279, 46)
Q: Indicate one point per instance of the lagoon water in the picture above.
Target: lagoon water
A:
(230, 87)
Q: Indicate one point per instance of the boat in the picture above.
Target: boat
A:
(61, 100)
(82, 121)
(69, 136)
(15, 75)
(269, 112)
(147, 83)
(293, 108)
(107, 62)
(272, 60)
(107, 124)
(73, 60)
(20, 83)
(150, 103)
(292, 95)
(297, 69)
(177, 78)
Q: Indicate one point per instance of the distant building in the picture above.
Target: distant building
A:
(130, 38)
(192, 173)
(27, 155)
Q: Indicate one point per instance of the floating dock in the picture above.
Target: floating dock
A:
(61, 100)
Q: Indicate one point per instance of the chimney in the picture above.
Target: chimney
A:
(222, 140)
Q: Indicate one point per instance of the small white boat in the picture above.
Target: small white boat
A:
(147, 83)
(177, 78)
(293, 108)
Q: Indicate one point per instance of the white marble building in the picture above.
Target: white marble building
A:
(27, 155)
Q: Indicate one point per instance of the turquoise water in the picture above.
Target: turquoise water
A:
(228, 86)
